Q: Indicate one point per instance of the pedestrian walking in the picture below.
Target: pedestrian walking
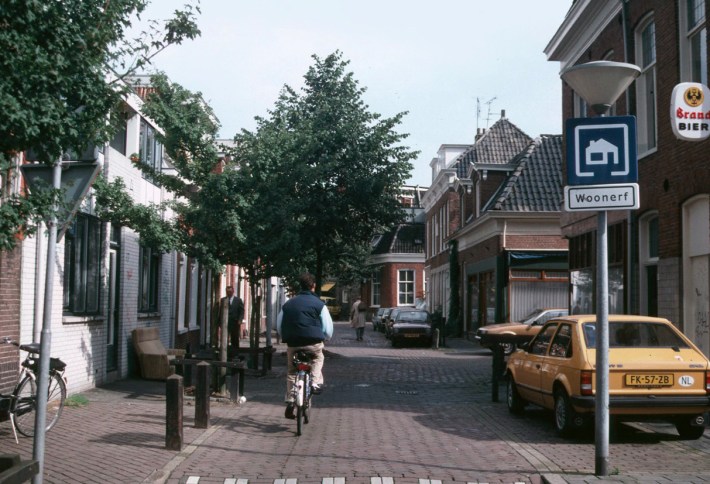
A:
(357, 317)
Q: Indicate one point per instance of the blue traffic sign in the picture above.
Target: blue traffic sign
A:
(601, 151)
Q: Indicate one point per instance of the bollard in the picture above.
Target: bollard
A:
(497, 370)
(173, 412)
(202, 396)
(435, 339)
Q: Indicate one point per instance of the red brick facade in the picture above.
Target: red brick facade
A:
(10, 266)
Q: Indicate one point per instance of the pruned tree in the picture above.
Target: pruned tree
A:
(344, 165)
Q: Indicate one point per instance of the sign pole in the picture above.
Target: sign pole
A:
(46, 334)
(602, 151)
(601, 402)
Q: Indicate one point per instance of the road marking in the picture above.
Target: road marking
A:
(232, 480)
(333, 480)
(429, 481)
(381, 480)
(285, 481)
(193, 480)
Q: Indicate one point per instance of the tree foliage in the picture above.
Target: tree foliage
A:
(61, 63)
(338, 165)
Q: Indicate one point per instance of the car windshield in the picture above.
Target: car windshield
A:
(412, 316)
(530, 318)
(629, 334)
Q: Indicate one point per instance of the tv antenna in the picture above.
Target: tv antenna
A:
(488, 113)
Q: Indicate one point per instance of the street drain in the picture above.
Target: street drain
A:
(406, 392)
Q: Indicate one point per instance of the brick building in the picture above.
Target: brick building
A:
(659, 255)
(398, 257)
(493, 211)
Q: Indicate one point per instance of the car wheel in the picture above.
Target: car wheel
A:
(508, 348)
(688, 431)
(565, 416)
(516, 404)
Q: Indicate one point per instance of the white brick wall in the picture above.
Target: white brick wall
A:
(81, 342)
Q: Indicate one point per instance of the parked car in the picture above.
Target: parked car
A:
(411, 326)
(379, 317)
(333, 306)
(655, 373)
(390, 318)
(517, 332)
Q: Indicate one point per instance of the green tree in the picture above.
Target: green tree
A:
(344, 166)
(55, 91)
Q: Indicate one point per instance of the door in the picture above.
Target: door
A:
(112, 321)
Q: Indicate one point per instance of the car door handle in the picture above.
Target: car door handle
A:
(538, 366)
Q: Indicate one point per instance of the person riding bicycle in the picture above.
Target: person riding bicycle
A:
(304, 323)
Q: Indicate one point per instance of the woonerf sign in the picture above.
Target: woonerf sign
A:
(602, 167)
(622, 196)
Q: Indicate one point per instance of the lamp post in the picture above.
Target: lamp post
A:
(601, 83)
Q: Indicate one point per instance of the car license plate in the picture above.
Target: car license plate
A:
(411, 335)
(651, 380)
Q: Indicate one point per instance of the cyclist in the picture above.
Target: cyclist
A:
(304, 323)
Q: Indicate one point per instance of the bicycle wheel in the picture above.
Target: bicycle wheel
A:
(307, 399)
(301, 404)
(25, 403)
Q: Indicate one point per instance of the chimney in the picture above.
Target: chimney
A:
(479, 132)
(502, 113)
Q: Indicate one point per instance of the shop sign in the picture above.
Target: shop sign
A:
(690, 111)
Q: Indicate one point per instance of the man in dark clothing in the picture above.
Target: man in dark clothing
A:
(236, 327)
(304, 323)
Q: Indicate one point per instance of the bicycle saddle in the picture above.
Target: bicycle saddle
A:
(304, 356)
(30, 348)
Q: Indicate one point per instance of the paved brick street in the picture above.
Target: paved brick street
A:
(407, 414)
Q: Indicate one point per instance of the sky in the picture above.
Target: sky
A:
(453, 65)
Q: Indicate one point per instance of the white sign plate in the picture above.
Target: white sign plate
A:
(622, 196)
(690, 111)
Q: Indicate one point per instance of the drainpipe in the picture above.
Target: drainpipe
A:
(632, 219)
(37, 324)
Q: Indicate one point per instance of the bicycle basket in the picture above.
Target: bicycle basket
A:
(54, 364)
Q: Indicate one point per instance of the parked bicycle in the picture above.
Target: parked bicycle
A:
(19, 406)
(302, 390)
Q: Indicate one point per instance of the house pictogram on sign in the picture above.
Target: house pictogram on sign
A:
(601, 152)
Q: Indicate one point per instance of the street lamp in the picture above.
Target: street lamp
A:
(601, 83)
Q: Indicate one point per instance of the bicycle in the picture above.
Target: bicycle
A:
(302, 390)
(19, 406)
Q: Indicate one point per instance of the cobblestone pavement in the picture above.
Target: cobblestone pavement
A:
(412, 415)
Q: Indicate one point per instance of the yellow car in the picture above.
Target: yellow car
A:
(655, 373)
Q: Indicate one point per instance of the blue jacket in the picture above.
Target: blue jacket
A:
(304, 320)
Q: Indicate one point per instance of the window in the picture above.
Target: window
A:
(646, 86)
(82, 265)
(693, 42)
(118, 142)
(151, 151)
(406, 287)
(375, 282)
(562, 343)
(148, 285)
(542, 341)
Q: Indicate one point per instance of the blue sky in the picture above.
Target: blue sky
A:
(434, 59)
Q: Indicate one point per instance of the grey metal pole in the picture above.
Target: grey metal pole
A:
(46, 335)
(601, 403)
